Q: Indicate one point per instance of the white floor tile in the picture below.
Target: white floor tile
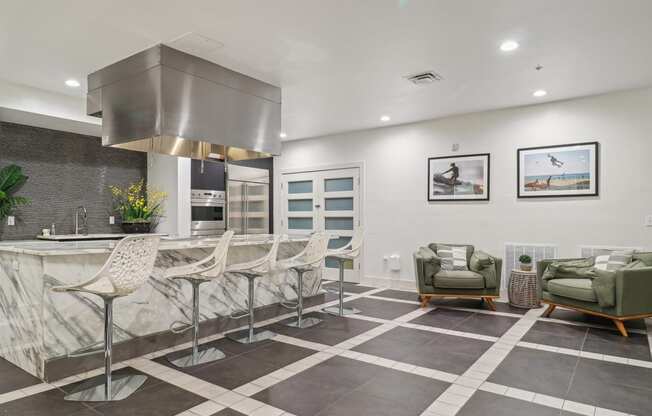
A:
(580, 408)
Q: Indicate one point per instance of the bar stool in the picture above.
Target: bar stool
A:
(127, 269)
(309, 259)
(349, 252)
(202, 271)
(252, 270)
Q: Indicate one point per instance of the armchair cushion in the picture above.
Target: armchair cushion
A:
(580, 289)
(469, 248)
(458, 279)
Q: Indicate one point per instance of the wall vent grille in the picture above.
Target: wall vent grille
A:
(514, 250)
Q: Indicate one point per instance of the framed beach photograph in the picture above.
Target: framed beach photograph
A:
(558, 171)
(459, 178)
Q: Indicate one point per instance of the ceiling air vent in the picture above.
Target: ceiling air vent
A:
(424, 78)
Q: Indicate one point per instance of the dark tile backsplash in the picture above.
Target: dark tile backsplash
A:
(65, 170)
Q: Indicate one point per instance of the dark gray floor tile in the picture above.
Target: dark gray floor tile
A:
(228, 412)
(476, 304)
(13, 378)
(243, 362)
(603, 341)
(613, 386)
(492, 325)
(48, 403)
(442, 318)
(383, 309)
(558, 335)
(488, 404)
(348, 287)
(428, 349)
(340, 386)
(361, 404)
(538, 371)
(332, 330)
(399, 294)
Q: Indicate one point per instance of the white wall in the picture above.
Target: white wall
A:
(171, 174)
(398, 217)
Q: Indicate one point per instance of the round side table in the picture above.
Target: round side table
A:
(523, 289)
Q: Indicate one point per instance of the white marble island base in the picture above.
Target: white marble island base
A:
(39, 325)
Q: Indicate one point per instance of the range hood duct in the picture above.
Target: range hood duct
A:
(166, 101)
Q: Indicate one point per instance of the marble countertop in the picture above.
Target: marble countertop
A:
(59, 248)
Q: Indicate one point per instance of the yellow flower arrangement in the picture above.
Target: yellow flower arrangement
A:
(138, 202)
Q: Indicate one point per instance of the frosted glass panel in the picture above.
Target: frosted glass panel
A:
(338, 242)
(338, 185)
(300, 205)
(339, 204)
(334, 264)
(300, 223)
(339, 223)
(300, 187)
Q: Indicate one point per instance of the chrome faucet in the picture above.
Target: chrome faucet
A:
(84, 217)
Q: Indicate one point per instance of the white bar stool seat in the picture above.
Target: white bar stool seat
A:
(311, 258)
(202, 271)
(127, 269)
(349, 252)
(251, 271)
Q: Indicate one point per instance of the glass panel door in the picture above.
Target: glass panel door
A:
(298, 203)
(327, 200)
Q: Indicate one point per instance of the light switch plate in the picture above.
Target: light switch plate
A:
(11, 220)
(111, 219)
(648, 221)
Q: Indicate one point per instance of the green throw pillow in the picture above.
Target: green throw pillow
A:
(480, 260)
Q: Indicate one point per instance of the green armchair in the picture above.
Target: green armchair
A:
(482, 280)
(629, 295)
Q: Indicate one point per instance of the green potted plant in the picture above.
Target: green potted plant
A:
(139, 208)
(11, 179)
(526, 262)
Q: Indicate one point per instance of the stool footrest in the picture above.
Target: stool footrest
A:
(290, 305)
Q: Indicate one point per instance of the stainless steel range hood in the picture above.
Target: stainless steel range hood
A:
(167, 101)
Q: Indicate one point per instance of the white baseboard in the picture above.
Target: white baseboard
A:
(388, 282)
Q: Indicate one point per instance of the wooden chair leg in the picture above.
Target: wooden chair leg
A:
(425, 300)
(621, 327)
(490, 303)
(548, 311)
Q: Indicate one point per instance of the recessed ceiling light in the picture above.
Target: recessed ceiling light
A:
(282, 135)
(72, 83)
(385, 118)
(508, 46)
(539, 93)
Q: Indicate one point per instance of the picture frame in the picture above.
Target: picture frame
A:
(557, 171)
(459, 178)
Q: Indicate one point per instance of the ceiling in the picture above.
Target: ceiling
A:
(341, 63)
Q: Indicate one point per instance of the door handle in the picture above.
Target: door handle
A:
(317, 206)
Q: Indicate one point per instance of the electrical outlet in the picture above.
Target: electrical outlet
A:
(111, 219)
(11, 220)
(648, 221)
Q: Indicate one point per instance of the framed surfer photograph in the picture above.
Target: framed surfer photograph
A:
(558, 171)
(459, 178)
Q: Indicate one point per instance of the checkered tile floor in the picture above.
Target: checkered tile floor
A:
(394, 359)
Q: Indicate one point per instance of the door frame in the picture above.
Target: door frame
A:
(278, 213)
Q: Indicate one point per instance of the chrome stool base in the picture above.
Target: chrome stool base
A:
(94, 390)
(335, 310)
(244, 337)
(303, 323)
(200, 357)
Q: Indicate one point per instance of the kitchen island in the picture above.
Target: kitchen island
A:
(40, 326)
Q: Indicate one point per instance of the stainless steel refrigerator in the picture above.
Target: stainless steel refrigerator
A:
(247, 196)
